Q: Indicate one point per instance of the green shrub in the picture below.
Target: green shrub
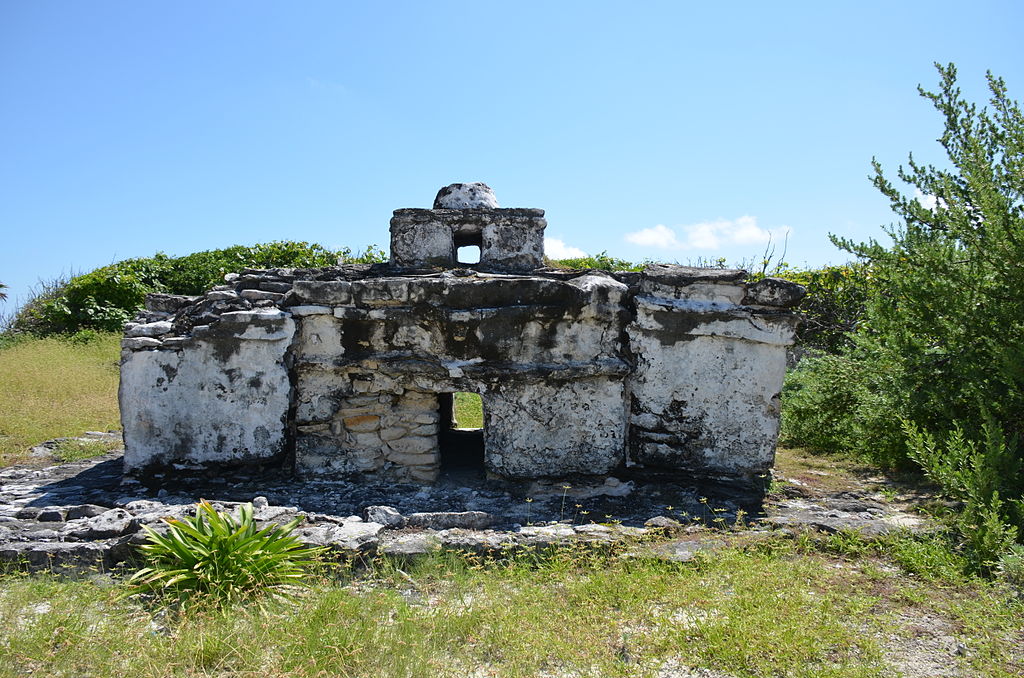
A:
(601, 262)
(104, 299)
(834, 305)
(981, 474)
(841, 403)
(948, 295)
(198, 272)
(940, 346)
(223, 559)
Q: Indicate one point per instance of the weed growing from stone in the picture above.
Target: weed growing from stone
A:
(224, 559)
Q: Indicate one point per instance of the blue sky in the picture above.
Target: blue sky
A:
(667, 130)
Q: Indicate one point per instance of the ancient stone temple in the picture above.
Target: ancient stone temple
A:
(349, 371)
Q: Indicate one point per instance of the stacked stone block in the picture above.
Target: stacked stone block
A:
(389, 435)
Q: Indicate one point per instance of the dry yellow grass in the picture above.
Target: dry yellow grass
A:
(51, 388)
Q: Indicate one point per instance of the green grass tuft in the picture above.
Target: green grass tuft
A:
(223, 559)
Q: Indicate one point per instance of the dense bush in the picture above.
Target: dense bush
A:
(106, 298)
(841, 403)
(834, 305)
(940, 349)
(601, 262)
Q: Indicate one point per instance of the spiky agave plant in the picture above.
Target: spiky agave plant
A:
(224, 559)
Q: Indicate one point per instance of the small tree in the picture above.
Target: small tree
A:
(937, 361)
(3, 295)
(949, 306)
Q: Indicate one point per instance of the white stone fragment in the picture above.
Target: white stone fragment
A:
(385, 515)
(310, 310)
(464, 196)
(260, 295)
(156, 329)
(140, 343)
(253, 316)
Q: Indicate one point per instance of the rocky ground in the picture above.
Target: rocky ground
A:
(82, 515)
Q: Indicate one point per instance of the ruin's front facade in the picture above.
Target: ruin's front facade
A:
(349, 370)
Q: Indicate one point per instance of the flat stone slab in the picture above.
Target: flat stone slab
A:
(80, 517)
(871, 519)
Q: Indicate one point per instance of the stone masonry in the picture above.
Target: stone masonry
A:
(348, 371)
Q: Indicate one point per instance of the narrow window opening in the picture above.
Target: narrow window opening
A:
(468, 254)
(461, 437)
(469, 246)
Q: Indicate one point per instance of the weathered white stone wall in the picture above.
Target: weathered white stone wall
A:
(705, 392)
(421, 242)
(509, 239)
(220, 397)
(533, 430)
(513, 243)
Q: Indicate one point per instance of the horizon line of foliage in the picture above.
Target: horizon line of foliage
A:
(106, 298)
(933, 375)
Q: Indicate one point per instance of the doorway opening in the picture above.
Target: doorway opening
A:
(461, 437)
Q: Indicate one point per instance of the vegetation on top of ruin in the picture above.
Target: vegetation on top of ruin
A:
(599, 262)
(106, 298)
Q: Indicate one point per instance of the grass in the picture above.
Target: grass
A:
(770, 611)
(51, 388)
(825, 605)
(469, 410)
(75, 450)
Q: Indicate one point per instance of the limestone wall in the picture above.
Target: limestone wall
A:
(340, 371)
(373, 357)
(704, 394)
(509, 239)
(220, 396)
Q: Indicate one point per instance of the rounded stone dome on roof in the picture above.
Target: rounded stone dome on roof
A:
(465, 196)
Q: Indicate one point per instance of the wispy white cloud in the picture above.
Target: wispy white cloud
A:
(927, 200)
(707, 235)
(557, 249)
(659, 236)
(323, 84)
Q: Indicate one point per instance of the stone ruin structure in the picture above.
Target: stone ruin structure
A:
(349, 371)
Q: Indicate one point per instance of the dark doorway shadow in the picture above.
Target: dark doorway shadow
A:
(462, 449)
